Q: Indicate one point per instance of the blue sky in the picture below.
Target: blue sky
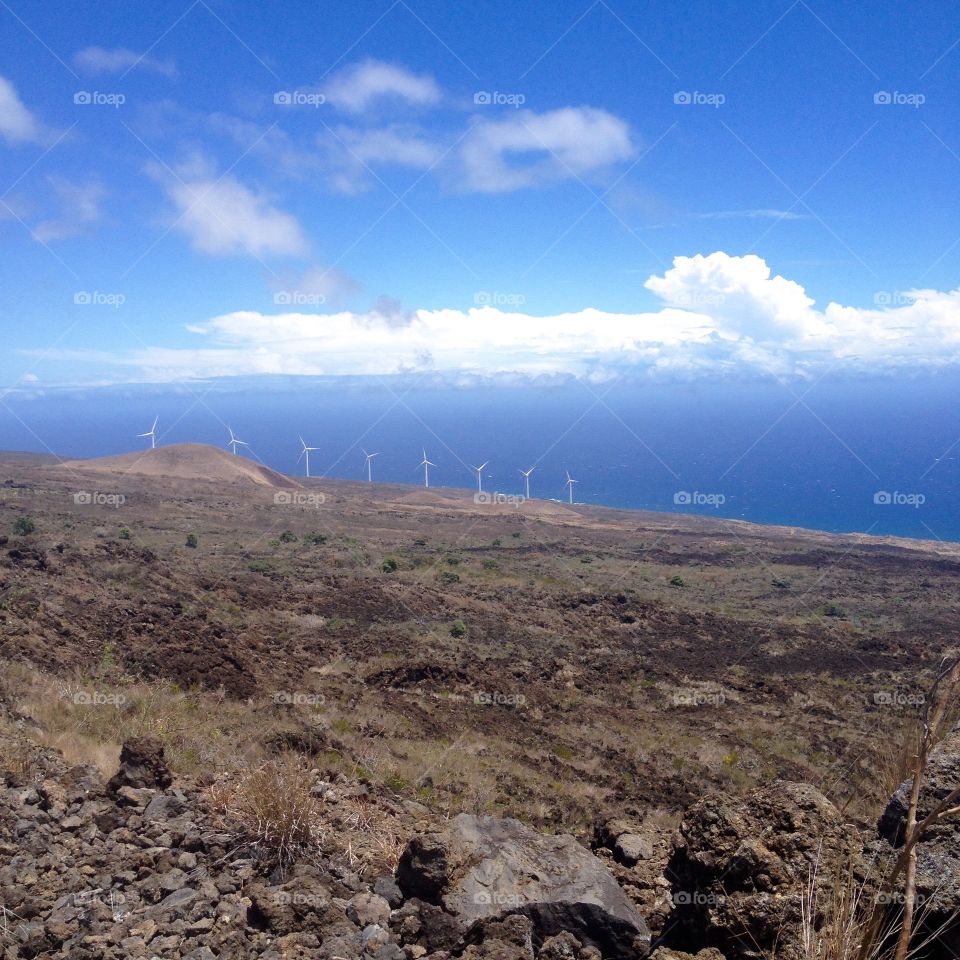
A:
(585, 188)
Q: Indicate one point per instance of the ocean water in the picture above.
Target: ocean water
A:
(873, 456)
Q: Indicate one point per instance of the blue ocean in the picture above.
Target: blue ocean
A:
(877, 456)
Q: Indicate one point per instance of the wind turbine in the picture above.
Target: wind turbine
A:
(570, 483)
(426, 464)
(526, 476)
(305, 452)
(151, 433)
(235, 442)
(479, 477)
(369, 457)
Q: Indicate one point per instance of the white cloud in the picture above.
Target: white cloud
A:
(222, 216)
(356, 89)
(119, 60)
(722, 315)
(552, 146)
(17, 123)
(353, 155)
(79, 208)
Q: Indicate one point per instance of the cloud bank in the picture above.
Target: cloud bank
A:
(721, 315)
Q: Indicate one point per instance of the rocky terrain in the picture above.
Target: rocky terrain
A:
(243, 719)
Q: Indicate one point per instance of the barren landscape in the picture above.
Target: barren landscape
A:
(426, 655)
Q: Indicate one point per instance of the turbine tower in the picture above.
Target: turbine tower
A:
(234, 442)
(305, 452)
(151, 433)
(369, 457)
(570, 483)
(526, 477)
(426, 464)
(479, 477)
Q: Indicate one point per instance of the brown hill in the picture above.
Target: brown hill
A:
(187, 461)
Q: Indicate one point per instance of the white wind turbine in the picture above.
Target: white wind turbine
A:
(479, 476)
(151, 433)
(526, 478)
(305, 452)
(426, 464)
(570, 483)
(369, 457)
(234, 442)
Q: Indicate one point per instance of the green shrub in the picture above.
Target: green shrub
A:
(677, 581)
(24, 526)
(458, 629)
(314, 539)
(448, 576)
(192, 540)
(490, 564)
(259, 566)
(390, 565)
(288, 536)
(124, 533)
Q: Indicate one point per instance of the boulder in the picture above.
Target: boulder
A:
(482, 868)
(142, 766)
(938, 857)
(739, 868)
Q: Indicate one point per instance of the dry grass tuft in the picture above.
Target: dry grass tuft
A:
(273, 810)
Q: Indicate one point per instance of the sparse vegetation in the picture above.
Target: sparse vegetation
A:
(24, 526)
(458, 629)
(192, 541)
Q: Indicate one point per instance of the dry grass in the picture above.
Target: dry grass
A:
(273, 810)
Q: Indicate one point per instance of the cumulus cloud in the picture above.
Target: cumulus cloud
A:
(721, 315)
(222, 216)
(119, 60)
(364, 85)
(17, 123)
(79, 209)
(528, 149)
